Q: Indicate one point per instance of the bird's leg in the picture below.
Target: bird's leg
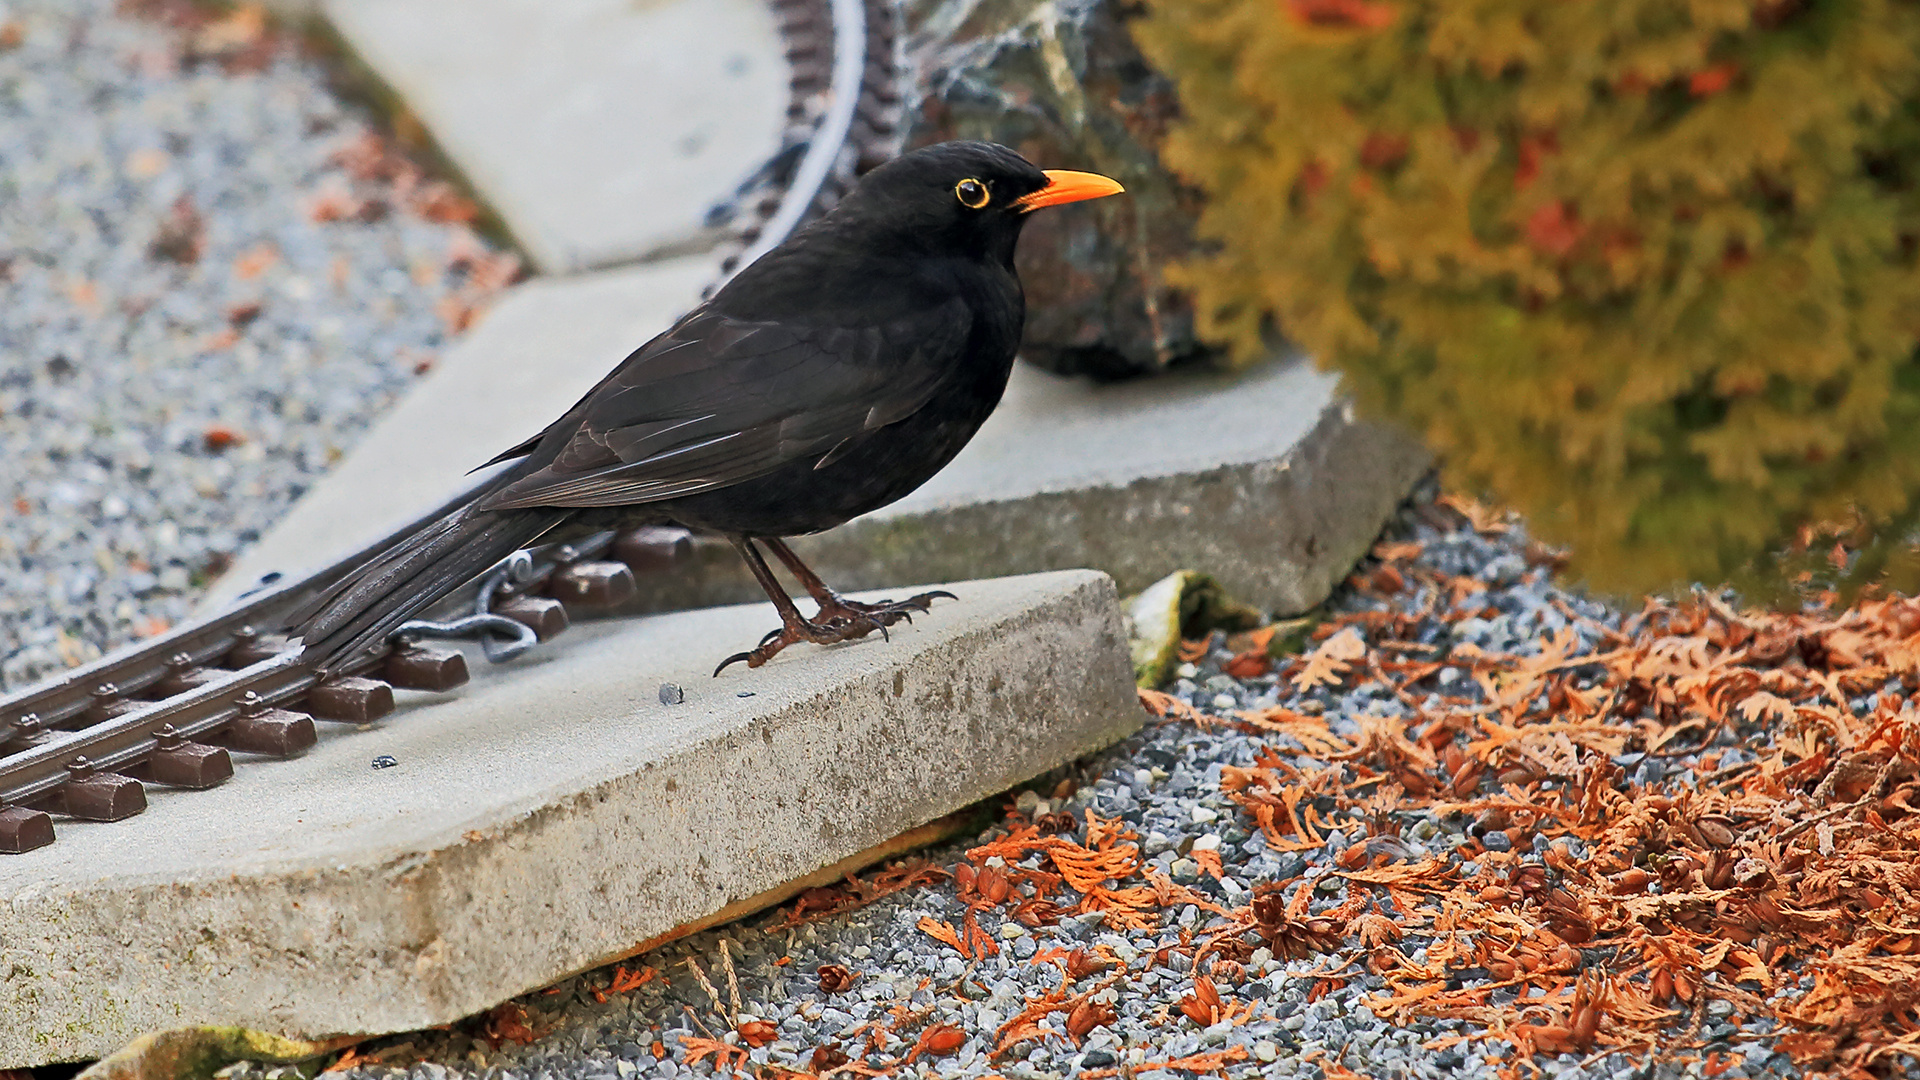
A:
(794, 627)
(837, 610)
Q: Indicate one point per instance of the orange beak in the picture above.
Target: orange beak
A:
(1065, 187)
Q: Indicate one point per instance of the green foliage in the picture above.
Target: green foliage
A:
(1645, 269)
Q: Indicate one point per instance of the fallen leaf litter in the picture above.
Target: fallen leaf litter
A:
(1682, 838)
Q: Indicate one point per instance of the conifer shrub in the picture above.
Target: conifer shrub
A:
(1645, 269)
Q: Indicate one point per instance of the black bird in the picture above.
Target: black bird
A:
(831, 377)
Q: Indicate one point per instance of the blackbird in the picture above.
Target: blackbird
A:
(832, 376)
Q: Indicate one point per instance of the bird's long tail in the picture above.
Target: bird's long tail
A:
(357, 615)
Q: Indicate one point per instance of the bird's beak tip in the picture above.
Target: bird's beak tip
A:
(1066, 186)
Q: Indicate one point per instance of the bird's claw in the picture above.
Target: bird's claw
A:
(736, 658)
(881, 613)
(838, 620)
(804, 630)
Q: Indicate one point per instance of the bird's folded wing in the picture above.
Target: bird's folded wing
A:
(717, 400)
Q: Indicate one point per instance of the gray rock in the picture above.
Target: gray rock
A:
(1062, 81)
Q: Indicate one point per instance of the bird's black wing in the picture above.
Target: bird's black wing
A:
(718, 400)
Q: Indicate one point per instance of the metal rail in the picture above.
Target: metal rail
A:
(82, 744)
(825, 146)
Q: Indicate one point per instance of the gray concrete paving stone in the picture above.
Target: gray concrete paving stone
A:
(551, 815)
(601, 131)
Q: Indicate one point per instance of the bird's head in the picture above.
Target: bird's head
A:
(966, 198)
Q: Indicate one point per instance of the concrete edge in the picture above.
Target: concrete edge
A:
(933, 832)
(196, 1053)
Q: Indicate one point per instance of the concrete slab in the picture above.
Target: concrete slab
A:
(550, 816)
(1264, 480)
(600, 130)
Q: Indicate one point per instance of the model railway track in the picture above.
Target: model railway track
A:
(84, 745)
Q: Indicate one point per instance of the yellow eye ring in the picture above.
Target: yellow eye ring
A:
(972, 193)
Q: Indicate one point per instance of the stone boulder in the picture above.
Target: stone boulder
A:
(1062, 82)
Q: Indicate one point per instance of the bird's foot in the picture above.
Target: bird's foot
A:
(838, 620)
(791, 634)
(866, 618)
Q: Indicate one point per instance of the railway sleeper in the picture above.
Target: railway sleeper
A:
(277, 733)
(250, 647)
(22, 829)
(545, 617)
(352, 700)
(194, 765)
(425, 667)
(92, 795)
(652, 548)
(594, 584)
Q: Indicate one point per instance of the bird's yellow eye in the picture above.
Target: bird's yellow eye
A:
(972, 193)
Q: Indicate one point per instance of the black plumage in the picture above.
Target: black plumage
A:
(831, 377)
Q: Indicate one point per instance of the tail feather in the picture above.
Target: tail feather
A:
(359, 613)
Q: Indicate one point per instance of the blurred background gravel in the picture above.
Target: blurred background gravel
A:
(213, 276)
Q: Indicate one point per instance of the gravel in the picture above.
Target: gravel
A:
(183, 348)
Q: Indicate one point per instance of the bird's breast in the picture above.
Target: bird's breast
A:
(878, 467)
